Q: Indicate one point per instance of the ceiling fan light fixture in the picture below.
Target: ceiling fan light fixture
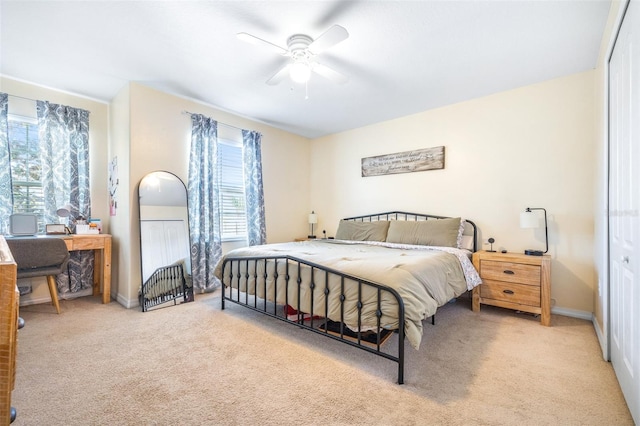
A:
(300, 72)
(302, 50)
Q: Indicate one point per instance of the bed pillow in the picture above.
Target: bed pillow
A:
(432, 232)
(465, 241)
(362, 231)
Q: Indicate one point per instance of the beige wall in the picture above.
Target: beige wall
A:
(529, 147)
(159, 139)
(98, 140)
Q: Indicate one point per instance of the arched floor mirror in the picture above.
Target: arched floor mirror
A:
(164, 241)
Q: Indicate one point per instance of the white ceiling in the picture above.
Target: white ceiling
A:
(401, 57)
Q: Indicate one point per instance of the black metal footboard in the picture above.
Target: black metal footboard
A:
(324, 301)
(166, 284)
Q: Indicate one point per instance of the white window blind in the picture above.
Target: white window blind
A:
(234, 221)
(26, 168)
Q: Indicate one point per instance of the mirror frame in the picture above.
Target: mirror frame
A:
(177, 184)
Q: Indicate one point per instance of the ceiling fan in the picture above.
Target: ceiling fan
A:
(303, 50)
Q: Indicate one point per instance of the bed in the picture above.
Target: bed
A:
(383, 273)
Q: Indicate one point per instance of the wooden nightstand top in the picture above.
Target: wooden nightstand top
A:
(512, 257)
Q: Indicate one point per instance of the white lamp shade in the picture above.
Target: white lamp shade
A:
(300, 72)
(64, 211)
(313, 218)
(529, 220)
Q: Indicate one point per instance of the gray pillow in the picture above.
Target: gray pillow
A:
(362, 231)
(431, 232)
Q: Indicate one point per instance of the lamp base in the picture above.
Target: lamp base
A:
(534, 252)
(311, 236)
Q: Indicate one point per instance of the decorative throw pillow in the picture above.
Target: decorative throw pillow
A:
(362, 231)
(431, 232)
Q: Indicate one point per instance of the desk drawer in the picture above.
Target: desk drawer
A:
(88, 243)
(511, 272)
(508, 292)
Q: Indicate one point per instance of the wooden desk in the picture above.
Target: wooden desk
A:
(101, 246)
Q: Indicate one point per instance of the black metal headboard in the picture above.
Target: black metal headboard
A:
(414, 216)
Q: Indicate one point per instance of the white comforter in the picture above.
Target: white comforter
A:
(425, 278)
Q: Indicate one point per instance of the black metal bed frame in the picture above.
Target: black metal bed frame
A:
(237, 271)
(236, 264)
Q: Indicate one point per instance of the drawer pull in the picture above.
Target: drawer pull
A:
(508, 272)
(508, 291)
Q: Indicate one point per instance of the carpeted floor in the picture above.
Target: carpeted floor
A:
(194, 364)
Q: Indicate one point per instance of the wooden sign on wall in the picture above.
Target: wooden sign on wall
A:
(404, 162)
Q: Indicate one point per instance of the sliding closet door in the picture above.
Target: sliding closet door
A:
(624, 207)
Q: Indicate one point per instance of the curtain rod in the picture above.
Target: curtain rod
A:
(22, 97)
(36, 100)
(223, 124)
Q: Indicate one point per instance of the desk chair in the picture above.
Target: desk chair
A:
(38, 257)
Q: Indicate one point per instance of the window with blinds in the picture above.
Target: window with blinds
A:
(234, 220)
(26, 169)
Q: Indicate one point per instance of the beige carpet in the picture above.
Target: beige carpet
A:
(194, 364)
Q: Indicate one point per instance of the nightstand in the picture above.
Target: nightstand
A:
(514, 281)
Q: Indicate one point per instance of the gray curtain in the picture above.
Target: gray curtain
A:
(6, 191)
(64, 142)
(252, 170)
(203, 200)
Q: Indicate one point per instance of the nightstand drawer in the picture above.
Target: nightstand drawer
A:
(514, 293)
(510, 272)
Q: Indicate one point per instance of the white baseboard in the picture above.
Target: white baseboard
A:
(601, 339)
(38, 301)
(127, 303)
(134, 303)
(24, 301)
(574, 313)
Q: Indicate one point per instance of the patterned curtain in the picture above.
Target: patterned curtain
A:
(64, 139)
(204, 207)
(252, 170)
(6, 192)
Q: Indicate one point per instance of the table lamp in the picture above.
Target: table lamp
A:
(528, 219)
(313, 219)
(65, 211)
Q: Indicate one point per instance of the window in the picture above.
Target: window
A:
(234, 221)
(26, 169)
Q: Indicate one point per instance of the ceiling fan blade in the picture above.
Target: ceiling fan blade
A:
(329, 73)
(260, 42)
(331, 37)
(279, 76)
